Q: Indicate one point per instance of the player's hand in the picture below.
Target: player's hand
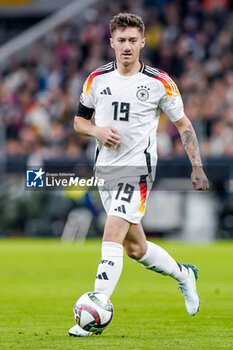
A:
(199, 179)
(107, 136)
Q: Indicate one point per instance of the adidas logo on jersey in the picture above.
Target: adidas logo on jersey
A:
(121, 209)
(106, 91)
(102, 276)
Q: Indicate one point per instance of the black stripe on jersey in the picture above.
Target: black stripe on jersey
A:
(109, 67)
(84, 111)
(106, 66)
(148, 158)
(96, 154)
(143, 179)
(153, 72)
(142, 67)
(158, 72)
(145, 71)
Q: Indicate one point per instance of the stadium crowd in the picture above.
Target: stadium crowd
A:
(190, 40)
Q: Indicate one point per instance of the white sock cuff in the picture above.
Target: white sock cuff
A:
(111, 249)
(144, 257)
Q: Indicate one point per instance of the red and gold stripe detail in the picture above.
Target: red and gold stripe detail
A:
(88, 82)
(170, 86)
(109, 67)
(168, 83)
(143, 193)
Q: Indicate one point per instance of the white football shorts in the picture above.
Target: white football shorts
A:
(126, 197)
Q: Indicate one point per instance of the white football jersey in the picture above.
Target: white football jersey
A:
(132, 105)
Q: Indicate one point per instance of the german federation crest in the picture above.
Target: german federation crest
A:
(142, 93)
(35, 178)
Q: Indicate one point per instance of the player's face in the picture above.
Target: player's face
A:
(127, 44)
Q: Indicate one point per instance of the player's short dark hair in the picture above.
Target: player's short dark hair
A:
(125, 20)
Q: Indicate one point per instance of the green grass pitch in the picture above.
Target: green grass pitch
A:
(41, 280)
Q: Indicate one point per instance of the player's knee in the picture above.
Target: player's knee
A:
(134, 251)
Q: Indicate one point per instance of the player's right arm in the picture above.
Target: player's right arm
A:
(106, 135)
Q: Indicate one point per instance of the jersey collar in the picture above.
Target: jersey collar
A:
(141, 69)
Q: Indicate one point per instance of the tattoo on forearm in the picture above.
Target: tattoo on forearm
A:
(190, 143)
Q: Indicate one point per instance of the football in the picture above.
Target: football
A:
(93, 312)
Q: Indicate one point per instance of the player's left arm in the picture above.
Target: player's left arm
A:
(190, 143)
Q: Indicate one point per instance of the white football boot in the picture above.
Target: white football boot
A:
(188, 288)
(77, 331)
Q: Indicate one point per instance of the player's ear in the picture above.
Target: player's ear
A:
(111, 43)
(143, 42)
